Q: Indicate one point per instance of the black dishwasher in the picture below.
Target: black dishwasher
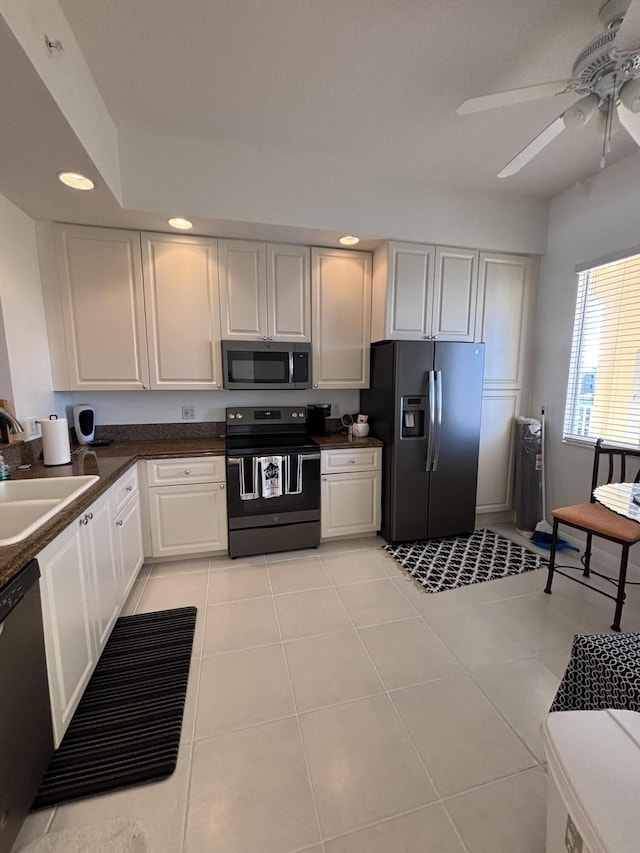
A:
(26, 735)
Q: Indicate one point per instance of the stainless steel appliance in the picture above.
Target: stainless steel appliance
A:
(26, 735)
(263, 365)
(273, 481)
(425, 403)
(317, 416)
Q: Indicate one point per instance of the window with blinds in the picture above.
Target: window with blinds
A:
(603, 395)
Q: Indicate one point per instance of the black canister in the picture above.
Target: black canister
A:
(317, 416)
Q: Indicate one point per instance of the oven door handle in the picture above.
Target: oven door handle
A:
(235, 460)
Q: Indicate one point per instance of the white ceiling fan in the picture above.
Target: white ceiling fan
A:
(606, 78)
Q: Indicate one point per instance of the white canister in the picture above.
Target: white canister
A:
(360, 430)
(56, 449)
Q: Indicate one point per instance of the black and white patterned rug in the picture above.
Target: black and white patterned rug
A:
(441, 564)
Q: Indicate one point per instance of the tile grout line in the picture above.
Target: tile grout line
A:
(191, 744)
(297, 718)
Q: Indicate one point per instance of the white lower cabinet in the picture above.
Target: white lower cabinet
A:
(350, 492)
(187, 506)
(68, 623)
(128, 539)
(83, 588)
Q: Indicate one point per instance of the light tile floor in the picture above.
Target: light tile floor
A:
(333, 707)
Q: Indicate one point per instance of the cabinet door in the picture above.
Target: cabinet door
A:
(350, 503)
(105, 590)
(188, 519)
(130, 552)
(243, 289)
(503, 299)
(497, 448)
(100, 278)
(69, 642)
(455, 293)
(341, 320)
(183, 317)
(410, 291)
(288, 293)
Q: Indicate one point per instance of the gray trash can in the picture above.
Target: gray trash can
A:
(528, 479)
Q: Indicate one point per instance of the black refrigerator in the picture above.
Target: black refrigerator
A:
(425, 403)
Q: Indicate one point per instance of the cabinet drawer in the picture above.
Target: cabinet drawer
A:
(343, 461)
(126, 486)
(190, 469)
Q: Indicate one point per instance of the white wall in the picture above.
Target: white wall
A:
(257, 184)
(586, 223)
(153, 407)
(24, 330)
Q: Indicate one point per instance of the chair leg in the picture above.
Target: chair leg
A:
(552, 556)
(621, 592)
(587, 557)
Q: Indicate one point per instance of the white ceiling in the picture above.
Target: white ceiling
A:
(372, 83)
(368, 85)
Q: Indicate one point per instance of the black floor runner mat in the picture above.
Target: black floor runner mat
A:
(126, 729)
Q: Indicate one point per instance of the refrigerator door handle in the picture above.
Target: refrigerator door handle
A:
(432, 422)
(436, 452)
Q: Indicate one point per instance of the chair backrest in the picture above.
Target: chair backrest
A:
(615, 465)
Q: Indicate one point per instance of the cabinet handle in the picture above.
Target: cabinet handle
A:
(222, 485)
(219, 385)
(187, 470)
(84, 520)
(353, 461)
(324, 479)
(265, 338)
(144, 387)
(90, 516)
(315, 385)
(129, 488)
(119, 523)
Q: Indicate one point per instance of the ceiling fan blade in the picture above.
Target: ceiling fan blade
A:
(514, 96)
(630, 121)
(534, 147)
(628, 36)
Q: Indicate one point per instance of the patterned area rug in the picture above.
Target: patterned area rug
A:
(441, 564)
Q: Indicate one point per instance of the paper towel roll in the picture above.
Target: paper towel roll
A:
(55, 441)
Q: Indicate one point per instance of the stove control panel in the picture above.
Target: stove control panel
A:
(281, 415)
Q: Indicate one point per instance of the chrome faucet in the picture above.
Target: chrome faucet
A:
(12, 422)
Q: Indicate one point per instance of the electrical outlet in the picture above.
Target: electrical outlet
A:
(188, 413)
(335, 409)
(32, 428)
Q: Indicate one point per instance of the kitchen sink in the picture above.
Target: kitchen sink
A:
(25, 505)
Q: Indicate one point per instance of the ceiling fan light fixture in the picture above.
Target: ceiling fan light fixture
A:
(579, 114)
(630, 95)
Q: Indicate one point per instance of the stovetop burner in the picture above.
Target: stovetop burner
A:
(281, 428)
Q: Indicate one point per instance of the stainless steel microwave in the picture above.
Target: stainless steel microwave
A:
(250, 365)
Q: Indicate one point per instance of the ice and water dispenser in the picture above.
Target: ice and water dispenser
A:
(412, 417)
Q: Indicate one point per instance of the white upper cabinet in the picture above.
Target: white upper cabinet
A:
(182, 311)
(101, 310)
(424, 292)
(341, 292)
(455, 295)
(264, 291)
(505, 298)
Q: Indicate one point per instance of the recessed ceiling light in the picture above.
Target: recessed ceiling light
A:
(179, 222)
(75, 180)
(349, 240)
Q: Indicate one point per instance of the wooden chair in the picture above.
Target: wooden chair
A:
(596, 520)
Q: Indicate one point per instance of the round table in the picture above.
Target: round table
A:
(622, 498)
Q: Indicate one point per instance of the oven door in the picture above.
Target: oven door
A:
(299, 484)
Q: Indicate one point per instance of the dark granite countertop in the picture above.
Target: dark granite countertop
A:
(339, 441)
(108, 463)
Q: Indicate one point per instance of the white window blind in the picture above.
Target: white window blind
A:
(603, 394)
